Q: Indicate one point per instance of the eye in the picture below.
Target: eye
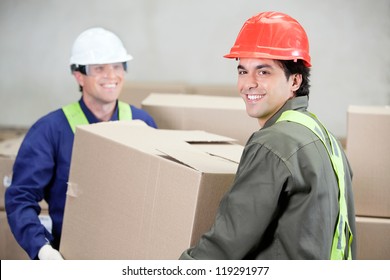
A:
(263, 72)
(241, 72)
(99, 69)
(118, 66)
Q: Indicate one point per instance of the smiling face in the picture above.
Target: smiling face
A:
(263, 86)
(103, 83)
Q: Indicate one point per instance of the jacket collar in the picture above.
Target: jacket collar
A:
(299, 103)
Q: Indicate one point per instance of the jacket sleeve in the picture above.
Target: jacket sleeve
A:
(247, 211)
(140, 114)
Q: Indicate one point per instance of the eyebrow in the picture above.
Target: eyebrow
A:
(258, 67)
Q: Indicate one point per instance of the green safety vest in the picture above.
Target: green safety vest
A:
(343, 231)
(76, 116)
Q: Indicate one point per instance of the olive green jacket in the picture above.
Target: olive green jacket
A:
(284, 201)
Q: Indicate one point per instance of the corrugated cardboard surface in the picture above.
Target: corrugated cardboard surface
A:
(11, 132)
(140, 193)
(215, 90)
(8, 150)
(135, 92)
(9, 248)
(368, 150)
(373, 238)
(216, 114)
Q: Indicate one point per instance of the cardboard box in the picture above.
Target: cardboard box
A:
(11, 132)
(215, 90)
(368, 150)
(9, 248)
(141, 193)
(8, 151)
(373, 242)
(135, 92)
(216, 114)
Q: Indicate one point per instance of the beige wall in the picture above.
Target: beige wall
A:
(183, 41)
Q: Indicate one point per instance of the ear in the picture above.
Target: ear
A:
(296, 82)
(79, 78)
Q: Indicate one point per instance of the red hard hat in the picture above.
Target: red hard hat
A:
(272, 35)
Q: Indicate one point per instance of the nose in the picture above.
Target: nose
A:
(250, 82)
(109, 71)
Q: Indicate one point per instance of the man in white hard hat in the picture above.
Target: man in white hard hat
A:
(41, 170)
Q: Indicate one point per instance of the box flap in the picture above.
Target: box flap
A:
(201, 161)
(196, 136)
(173, 143)
(227, 151)
(143, 137)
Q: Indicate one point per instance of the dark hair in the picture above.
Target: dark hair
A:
(79, 68)
(290, 68)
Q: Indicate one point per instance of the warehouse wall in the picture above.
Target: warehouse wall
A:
(183, 41)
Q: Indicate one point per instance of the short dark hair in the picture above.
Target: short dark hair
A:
(291, 67)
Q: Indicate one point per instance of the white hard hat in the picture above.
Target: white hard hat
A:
(98, 46)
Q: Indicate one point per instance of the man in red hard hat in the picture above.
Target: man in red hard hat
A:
(292, 195)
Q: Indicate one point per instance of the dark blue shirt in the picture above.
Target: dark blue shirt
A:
(41, 171)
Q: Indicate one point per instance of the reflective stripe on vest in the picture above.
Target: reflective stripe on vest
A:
(339, 249)
(75, 115)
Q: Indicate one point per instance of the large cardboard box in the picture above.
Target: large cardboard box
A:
(136, 192)
(217, 114)
(373, 242)
(368, 150)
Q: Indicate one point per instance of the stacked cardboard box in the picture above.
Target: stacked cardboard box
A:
(11, 132)
(9, 248)
(141, 193)
(135, 92)
(368, 150)
(214, 90)
(8, 150)
(217, 114)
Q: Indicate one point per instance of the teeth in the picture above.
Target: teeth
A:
(109, 85)
(254, 97)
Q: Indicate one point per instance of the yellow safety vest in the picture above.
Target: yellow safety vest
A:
(75, 115)
(339, 244)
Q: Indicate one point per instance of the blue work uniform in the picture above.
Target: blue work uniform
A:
(41, 171)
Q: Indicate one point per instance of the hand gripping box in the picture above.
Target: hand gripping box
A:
(216, 114)
(136, 192)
